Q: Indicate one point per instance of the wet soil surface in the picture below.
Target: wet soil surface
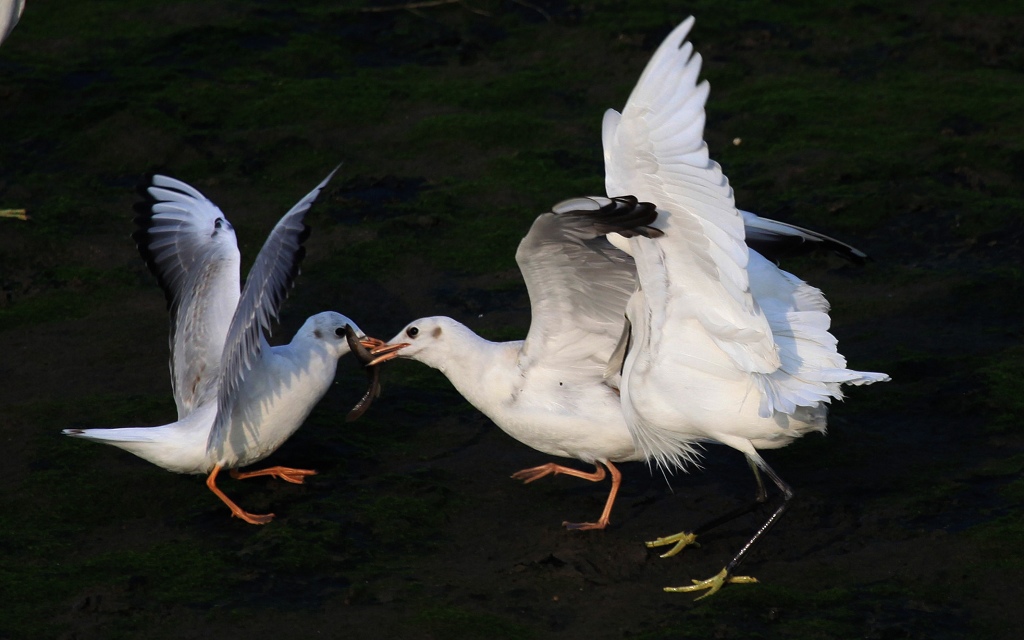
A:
(907, 520)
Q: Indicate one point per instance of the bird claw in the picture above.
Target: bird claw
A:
(681, 540)
(288, 474)
(534, 473)
(253, 518)
(713, 584)
(584, 526)
(296, 476)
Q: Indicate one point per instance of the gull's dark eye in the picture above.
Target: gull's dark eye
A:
(218, 223)
(412, 332)
(340, 332)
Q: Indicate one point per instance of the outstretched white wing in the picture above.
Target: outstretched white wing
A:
(655, 151)
(190, 247)
(266, 287)
(709, 304)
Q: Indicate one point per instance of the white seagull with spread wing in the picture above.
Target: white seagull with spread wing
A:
(238, 398)
(723, 346)
(557, 390)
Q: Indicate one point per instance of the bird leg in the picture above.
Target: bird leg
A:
(684, 539)
(295, 476)
(236, 511)
(725, 575)
(536, 473)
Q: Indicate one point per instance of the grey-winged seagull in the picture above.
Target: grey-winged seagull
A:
(238, 398)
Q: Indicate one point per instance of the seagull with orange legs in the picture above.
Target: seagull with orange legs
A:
(557, 390)
(552, 391)
(722, 345)
(238, 398)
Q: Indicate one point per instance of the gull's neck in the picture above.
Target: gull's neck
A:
(484, 372)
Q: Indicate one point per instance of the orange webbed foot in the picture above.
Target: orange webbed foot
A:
(295, 476)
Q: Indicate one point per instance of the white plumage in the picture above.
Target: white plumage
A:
(557, 390)
(724, 346)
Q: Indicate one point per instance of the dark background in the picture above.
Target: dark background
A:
(896, 127)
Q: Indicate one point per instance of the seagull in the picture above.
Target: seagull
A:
(238, 398)
(551, 391)
(557, 391)
(722, 345)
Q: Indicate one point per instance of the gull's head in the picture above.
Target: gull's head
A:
(340, 336)
(428, 340)
(332, 330)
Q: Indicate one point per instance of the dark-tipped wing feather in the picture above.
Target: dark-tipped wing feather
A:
(776, 240)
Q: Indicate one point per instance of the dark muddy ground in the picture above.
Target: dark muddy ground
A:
(897, 129)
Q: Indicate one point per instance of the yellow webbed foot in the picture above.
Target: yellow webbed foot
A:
(713, 584)
(681, 540)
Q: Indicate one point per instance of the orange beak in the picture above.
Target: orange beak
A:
(382, 351)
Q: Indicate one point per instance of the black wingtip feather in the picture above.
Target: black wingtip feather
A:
(624, 215)
(781, 247)
(144, 222)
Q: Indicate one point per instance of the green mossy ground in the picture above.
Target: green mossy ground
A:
(898, 128)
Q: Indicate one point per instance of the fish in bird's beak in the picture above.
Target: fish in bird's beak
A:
(370, 352)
